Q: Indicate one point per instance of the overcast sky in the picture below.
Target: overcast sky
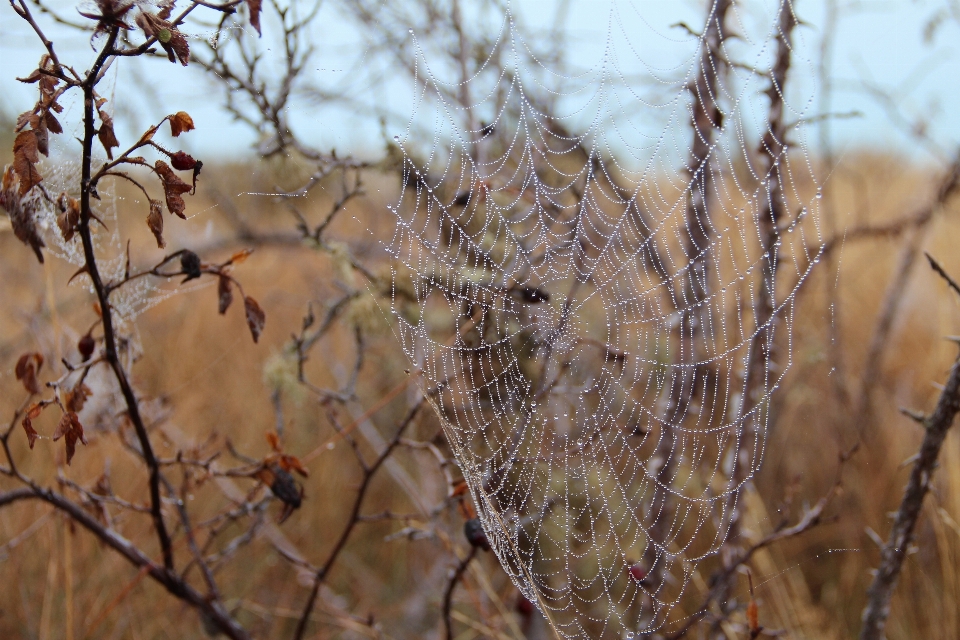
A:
(879, 44)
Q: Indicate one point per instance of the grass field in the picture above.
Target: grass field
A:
(203, 378)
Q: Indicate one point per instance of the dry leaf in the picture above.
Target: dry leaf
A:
(173, 188)
(52, 123)
(69, 216)
(273, 440)
(253, 6)
(32, 434)
(70, 429)
(27, 369)
(180, 122)
(106, 134)
(75, 398)
(240, 256)
(25, 156)
(21, 211)
(224, 294)
(155, 222)
(255, 317)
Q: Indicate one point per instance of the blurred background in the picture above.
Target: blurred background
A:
(875, 82)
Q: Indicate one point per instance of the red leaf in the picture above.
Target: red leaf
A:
(224, 293)
(255, 317)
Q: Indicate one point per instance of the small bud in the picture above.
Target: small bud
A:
(164, 35)
(85, 346)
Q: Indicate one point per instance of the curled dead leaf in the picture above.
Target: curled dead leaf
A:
(27, 369)
(75, 398)
(253, 7)
(240, 256)
(106, 134)
(255, 317)
(32, 434)
(69, 216)
(224, 293)
(173, 188)
(155, 222)
(26, 154)
(21, 210)
(70, 429)
(180, 122)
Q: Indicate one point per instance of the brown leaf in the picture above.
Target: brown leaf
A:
(20, 210)
(224, 293)
(34, 411)
(180, 122)
(148, 134)
(69, 216)
(180, 46)
(40, 130)
(52, 123)
(182, 161)
(240, 256)
(25, 156)
(155, 222)
(255, 317)
(75, 398)
(70, 429)
(107, 137)
(273, 440)
(166, 7)
(173, 188)
(253, 6)
(32, 434)
(28, 366)
(293, 462)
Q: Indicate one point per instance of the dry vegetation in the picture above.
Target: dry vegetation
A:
(206, 390)
(811, 587)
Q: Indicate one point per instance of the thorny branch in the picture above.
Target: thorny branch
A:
(936, 426)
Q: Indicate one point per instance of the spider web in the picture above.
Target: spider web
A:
(583, 300)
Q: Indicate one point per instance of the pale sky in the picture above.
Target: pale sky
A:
(879, 43)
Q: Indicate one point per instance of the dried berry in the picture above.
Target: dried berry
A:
(473, 531)
(190, 264)
(85, 346)
(182, 161)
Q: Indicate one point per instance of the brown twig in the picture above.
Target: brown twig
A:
(893, 553)
(448, 591)
(369, 470)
